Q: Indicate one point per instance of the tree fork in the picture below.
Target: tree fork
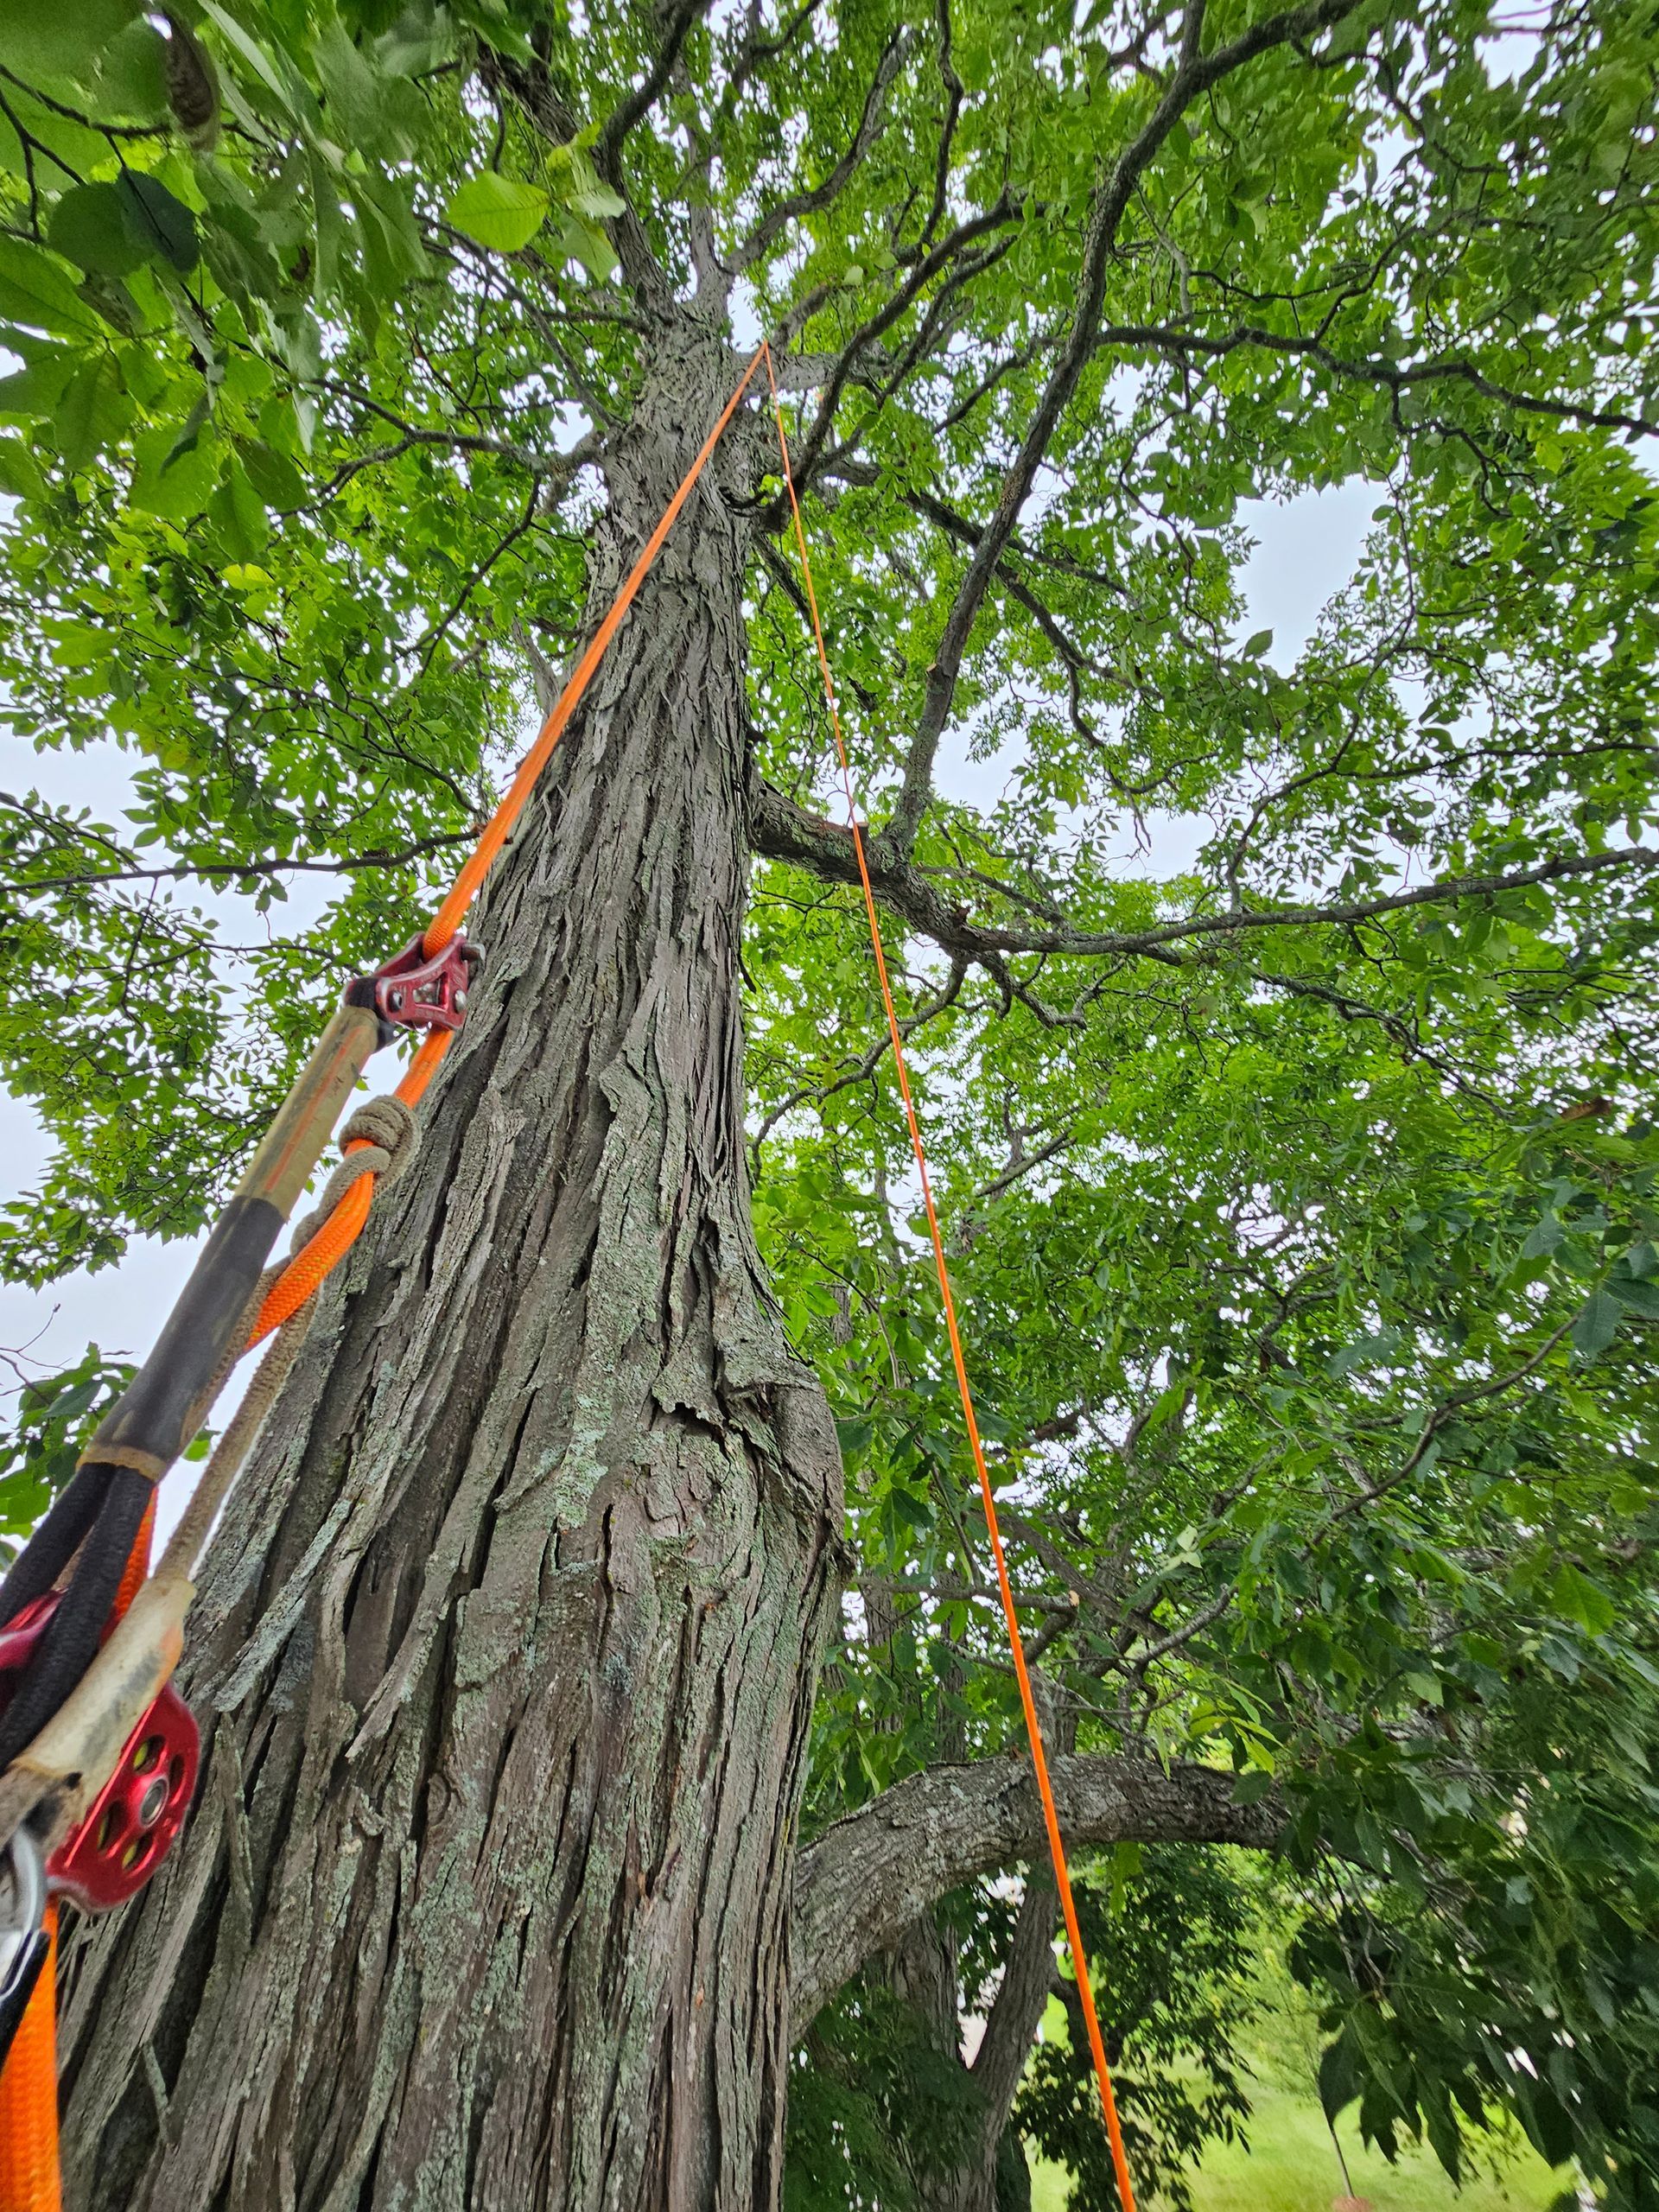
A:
(509, 1643)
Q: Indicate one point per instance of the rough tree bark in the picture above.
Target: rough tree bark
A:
(509, 1648)
(870, 1877)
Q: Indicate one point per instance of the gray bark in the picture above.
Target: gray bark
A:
(867, 1878)
(507, 1649)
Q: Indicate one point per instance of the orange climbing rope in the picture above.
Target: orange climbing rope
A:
(29, 2178)
(1022, 1673)
(340, 1231)
(28, 2096)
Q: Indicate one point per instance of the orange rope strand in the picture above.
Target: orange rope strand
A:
(28, 2094)
(340, 1231)
(447, 920)
(1033, 1726)
(29, 2110)
(29, 2097)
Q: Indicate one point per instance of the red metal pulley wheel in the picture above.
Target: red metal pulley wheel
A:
(139, 1811)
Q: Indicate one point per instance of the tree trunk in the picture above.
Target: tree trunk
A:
(508, 1647)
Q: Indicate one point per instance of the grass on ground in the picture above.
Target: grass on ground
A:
(1291, 2167)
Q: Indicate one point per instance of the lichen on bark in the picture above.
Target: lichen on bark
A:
(508, 1646)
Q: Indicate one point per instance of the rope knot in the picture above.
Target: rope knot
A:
(386, 1134)
(388, 1124)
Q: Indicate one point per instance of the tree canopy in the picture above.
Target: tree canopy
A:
(1301, 1202)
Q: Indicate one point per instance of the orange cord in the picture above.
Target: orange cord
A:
(29, 2105)
(1033, 1726)
(341, 1230)
(29, 2177)
(28, 2096)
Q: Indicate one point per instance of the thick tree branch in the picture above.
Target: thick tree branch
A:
(781, 830)
(644, 95)
(867, 1878)
(954, 93)
(1395, 377)
(532, 87)
(807, 460)
(1018, 2005)
(234, 871)
(1195, 73)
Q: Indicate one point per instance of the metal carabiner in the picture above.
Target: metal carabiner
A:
(24, 1941)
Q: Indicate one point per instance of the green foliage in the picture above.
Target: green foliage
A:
(874, 2109)
(53, 1418)
(1169, 1934)
(1301, 1197)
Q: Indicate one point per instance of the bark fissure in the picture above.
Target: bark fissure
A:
(510, 1642)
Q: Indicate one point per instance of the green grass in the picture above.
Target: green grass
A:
(1291, 2167)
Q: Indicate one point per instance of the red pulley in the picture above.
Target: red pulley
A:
(411, 992)
(140, 1810)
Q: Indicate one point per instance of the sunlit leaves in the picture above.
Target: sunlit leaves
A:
(501, 212)
(1307, 1271)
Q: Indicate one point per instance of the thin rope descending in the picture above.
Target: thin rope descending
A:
(28, 2164)
(1022, 1673)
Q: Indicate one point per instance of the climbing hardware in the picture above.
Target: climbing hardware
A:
(99, 1753)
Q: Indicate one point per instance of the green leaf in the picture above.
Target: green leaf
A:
(1340, 2076)
(393, 253)
(590, 247)
(1543, 1238)
(239, 513)
(1597, 1324)
(35, 390)
(585, 193)
(36, 293)
(502, 212)
(20, 477)
(39, 39)
(174, 475)
(164, 222)
(132, 74)
(1578, 1600)
(273, 476)
(274, 79)
(91, 226)
(376, 114)
(92, 411)
(855, 1438)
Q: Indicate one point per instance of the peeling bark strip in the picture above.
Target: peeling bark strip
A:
(868, 1877)
(510, 1642)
